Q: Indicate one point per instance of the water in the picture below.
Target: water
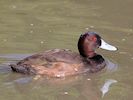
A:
(30, 26)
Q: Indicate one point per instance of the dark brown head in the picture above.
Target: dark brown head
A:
(89, 42)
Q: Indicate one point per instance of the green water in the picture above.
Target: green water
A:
(29, 26)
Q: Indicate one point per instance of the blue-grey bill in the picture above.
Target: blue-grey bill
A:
(107, 46)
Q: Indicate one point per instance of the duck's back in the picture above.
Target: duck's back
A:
(51, 61)
(55, 55)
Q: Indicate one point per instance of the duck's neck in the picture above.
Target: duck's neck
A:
(90, 54)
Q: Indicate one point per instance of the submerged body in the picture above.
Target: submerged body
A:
(62, 62)
(58, 63)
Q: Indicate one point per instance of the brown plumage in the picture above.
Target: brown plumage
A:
(58, 63)
(63, 62)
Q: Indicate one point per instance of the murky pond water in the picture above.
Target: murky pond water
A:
(29, 26)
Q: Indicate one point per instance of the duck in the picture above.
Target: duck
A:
(64, 62)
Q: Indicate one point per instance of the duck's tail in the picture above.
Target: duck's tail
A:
(22, 69)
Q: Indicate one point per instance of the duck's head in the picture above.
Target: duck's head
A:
(89, 42)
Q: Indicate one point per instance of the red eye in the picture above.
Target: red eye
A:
(94, 38)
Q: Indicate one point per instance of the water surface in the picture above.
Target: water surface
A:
(29, 26)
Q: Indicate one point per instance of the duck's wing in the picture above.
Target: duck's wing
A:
(47, 59)
(55, 55)
(63, 55)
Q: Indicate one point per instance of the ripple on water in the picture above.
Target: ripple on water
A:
(111, 67)
(14, 56)
(105, 88)
(23, 80)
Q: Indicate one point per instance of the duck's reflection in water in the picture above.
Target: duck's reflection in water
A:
(75, 87)
(111, 66)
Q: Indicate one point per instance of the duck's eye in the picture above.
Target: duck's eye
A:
(94, 39)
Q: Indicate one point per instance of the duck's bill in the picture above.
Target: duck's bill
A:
(107, 46)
